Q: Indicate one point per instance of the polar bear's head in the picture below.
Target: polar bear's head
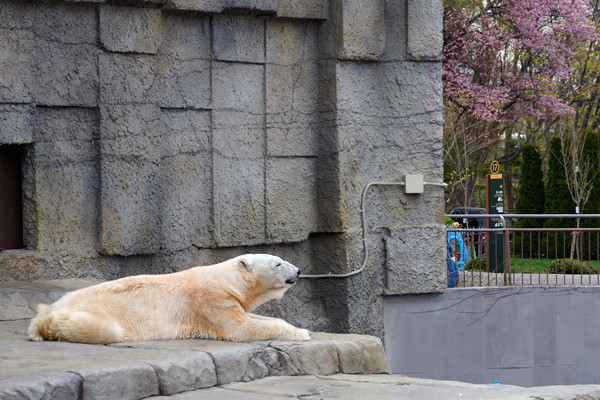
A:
(272, 271)
(270, 275)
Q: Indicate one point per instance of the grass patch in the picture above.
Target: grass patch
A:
(540, 266)
(530, 265)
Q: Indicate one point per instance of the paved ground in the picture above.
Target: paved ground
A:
(328, 367)
(470, 278)
(380, 387)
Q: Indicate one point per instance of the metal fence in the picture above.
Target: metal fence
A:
(524, 249)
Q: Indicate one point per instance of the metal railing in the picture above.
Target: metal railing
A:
(564, 255)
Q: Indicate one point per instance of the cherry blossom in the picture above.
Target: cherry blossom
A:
(503, 59)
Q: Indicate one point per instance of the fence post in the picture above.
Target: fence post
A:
(506, 244)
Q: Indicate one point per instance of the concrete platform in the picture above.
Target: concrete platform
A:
(141, 369)
(329, 366)
(380, 387)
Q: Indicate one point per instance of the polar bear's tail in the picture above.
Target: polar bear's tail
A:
(41, 308)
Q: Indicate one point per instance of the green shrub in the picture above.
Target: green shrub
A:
(568, 266)
(479, 263)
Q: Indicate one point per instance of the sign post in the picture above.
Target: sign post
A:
(494, 205)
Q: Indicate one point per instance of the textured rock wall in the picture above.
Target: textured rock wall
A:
(162, 134)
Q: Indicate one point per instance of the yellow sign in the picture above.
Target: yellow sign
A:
(495, 167)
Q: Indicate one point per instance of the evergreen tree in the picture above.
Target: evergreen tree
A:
(558, 201)
(558, 198)
(531, 198)
(591, 153)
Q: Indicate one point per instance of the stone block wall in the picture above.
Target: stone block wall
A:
(162, 134)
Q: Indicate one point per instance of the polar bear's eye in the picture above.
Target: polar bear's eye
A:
(278, 264)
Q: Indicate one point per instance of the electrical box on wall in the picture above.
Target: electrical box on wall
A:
(413, 184)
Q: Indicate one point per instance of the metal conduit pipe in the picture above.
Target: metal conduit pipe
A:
(364, 229)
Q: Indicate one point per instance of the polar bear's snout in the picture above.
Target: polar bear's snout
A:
(294, 278)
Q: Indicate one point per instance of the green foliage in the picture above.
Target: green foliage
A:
(591, 152)
(558, 198)
(558, 201)
(476, 264)
(531, 198)
(568, 266)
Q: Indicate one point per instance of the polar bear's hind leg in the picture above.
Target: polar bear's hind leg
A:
(75, 326)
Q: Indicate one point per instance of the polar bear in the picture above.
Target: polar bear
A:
(211, 302)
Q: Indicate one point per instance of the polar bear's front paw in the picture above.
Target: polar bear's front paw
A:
(303, 334)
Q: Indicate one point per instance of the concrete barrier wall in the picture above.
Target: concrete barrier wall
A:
(527, 336)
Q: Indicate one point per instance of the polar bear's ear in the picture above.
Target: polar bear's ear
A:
(244, 263)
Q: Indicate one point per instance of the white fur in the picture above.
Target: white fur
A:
(212, 302)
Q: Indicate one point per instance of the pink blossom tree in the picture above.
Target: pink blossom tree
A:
(503, 63)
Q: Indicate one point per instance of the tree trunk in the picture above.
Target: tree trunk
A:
(509, 207)
(575, 236)
(506, 177)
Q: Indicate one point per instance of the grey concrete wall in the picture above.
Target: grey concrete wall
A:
(163, 134)
(526, 336)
